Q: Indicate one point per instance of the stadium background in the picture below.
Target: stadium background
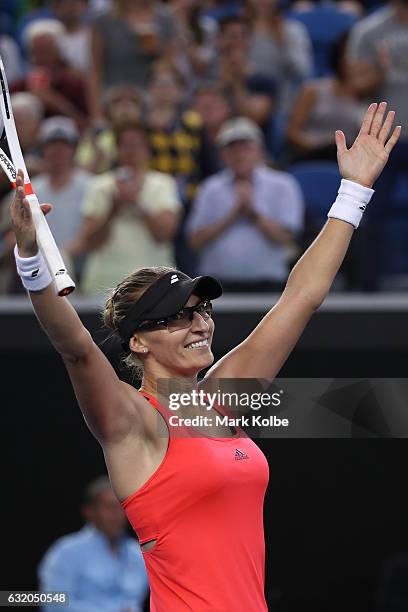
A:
(335, 509)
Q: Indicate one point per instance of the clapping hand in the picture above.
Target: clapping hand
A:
(128, 185)
(244, 199)
(365, 160)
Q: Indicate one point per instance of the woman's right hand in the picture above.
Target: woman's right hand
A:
(22, 220)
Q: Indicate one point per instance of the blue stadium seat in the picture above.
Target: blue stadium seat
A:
(275, 134)
(6, 24)
(400, 192)
(223, 11)
(9, 7)
(325, 24)
(319, 182)
(396, 244)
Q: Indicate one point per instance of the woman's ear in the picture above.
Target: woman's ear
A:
(137, 346)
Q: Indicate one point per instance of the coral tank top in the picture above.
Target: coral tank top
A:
(204, 506)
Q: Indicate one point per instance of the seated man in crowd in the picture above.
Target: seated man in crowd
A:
(246, 217)
(97, 149)
(131, 216)
(249, 93)
(61, 183)
(76, 41)
(178, 145)
(212, 105)
(28, 113)
(60, 88)
(323, 106)
(100, 567)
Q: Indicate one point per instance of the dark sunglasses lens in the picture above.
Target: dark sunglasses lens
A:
(179, 321)
(183, 319)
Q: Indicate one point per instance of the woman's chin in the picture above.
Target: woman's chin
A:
(200, 359)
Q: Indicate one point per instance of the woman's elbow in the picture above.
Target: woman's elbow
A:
(310, 297)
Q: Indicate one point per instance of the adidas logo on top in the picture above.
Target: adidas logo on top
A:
(240, 455)
(174, 279)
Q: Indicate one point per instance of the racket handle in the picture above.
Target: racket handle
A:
(63, 283)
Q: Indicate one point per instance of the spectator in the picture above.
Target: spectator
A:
(279, 48)
(196, 34)
(97, 150)
(245, 217)
(131, 215)
(178, 145)
(28, 113)
(378, 48)
(249, 93)
(212, 106)
(392, 593)
(176, 135)
(323, 106)
(75, 43)
(125, 42)
(10, 55)
(60, 88)
(61, 183)
(100, 567)
(378, 51)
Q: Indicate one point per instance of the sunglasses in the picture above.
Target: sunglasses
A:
(181, 320)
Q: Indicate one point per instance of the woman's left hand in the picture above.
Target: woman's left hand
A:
(365, 160)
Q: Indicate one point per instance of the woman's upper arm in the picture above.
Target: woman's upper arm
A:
(108, 404)
(266, 349)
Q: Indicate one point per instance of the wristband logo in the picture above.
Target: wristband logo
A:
(34, 273)
(362, 207)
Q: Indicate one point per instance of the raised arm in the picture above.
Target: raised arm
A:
(266, 349)
(108, 404)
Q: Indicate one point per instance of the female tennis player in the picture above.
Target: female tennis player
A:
(195, 502)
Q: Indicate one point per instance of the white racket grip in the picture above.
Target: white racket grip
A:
(63, 283)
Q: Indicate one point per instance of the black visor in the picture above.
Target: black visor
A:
(165, 297)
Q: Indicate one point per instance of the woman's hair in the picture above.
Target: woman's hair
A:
(337, 55)
(43, 27)
(122, 299)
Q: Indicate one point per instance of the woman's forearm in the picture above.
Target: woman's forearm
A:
(60, 322)
(315, 271)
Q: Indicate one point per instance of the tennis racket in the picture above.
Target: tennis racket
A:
(63, 283)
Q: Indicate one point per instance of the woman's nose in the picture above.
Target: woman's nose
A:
(198, 322)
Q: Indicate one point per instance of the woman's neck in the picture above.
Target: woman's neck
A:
(167, 384)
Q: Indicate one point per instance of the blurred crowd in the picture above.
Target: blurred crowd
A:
(201, 134)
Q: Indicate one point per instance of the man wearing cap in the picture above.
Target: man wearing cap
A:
(246, 217)
(61, 183)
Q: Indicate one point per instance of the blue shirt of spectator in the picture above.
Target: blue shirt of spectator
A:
(96, 578)
(242, 252)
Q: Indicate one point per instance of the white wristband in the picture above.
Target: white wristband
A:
(33, 271)
(351, 202)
